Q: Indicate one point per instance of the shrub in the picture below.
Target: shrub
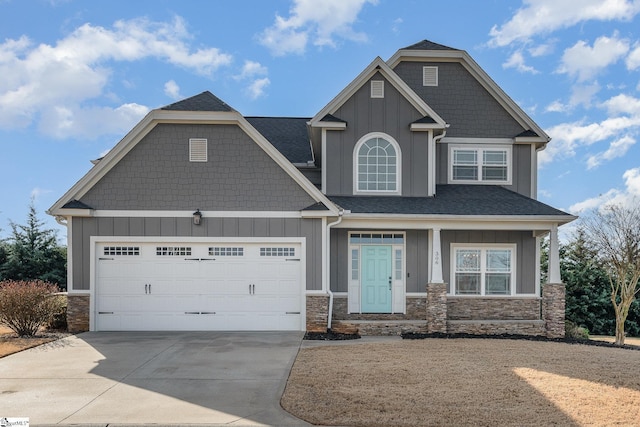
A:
(575, 332)
(59, 320)
(27, 306)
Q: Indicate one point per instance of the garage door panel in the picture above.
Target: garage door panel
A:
(237, 289)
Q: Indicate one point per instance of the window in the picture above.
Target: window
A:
(483, 270)
(377, 164)
(486, 165)
(377, 88)
(376, 238)
(429, 76)
(355, 264)
(121, 250)
(226, 251)
(197, 149)
(277, 252)
(173, 251)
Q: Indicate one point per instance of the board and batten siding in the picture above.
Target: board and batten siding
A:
(157, 175)
(461, 101)
(525, 253)
(84, 228)
(391, 115)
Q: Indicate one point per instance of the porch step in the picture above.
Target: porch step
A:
(496, 327)
(388, 327)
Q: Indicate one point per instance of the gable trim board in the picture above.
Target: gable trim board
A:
(481, 76)
(378, 65)
(183, 117)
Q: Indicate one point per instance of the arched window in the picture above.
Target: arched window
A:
(377, 164)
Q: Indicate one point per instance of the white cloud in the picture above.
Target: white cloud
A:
(37, 192)
(583, 94)
(540, 17)
(251, 69)
(614, 196)
(44, 83)
(556, 107)
(585, 62)
(516, 60)
(542, 49)
(172, 90)
(617, 148)
(319, 23)
(633, 60)
(257, 87)
(395, 27)
(623, 104)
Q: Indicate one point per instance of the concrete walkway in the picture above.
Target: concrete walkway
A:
(165, 378)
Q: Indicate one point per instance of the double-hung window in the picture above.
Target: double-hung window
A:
(483, 270)
(480, 165)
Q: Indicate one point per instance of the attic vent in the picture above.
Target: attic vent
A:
(429, 76)
(377, 88)
(197, 149)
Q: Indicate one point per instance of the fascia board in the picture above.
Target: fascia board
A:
(75, 212)
(286, 165)
(378, 65)
(330, 125)
(416, 127)
(481, 76)
(469, 221)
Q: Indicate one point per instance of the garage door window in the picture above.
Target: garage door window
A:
(173, 251)
(277, 252)
(226, 251)
(122, 250)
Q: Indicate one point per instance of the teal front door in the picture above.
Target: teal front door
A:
(376, 279)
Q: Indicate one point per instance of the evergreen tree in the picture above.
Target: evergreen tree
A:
(33, 253)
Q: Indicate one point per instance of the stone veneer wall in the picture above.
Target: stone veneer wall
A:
(317, 312)
(497, 327)
(437, 310)
(416, 308)
(553, 309)
(78, 312)
(479, 308)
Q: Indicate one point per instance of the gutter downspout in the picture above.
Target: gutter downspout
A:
(328, 272)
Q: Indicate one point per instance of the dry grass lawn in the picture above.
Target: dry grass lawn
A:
(10, 343)
(462, 382)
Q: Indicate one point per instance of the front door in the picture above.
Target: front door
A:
(376, 279)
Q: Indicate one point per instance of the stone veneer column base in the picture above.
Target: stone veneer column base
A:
(436, 308)
(317, 313)
(553, 309)
(78, 312)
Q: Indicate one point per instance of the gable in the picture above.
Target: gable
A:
(157, 174)
(469, 109)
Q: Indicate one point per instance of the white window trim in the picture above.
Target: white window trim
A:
(396, 146)
(398, 293)
(483, 247)
(479, 150)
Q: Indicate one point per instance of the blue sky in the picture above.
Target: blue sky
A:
(75, 76)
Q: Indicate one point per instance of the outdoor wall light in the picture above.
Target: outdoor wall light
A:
(197, 217)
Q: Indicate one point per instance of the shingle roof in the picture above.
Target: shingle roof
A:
(481, 200)
(332, 118)
(528, 132)
(428, 45)
(205, 101)
(316, 207)
(76, 204)
(426, 119)
(287, 134)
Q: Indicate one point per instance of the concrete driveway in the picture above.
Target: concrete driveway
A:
(166, 378)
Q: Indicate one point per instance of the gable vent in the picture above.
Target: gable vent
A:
(429, 76)
(377, 88)
(197, 150)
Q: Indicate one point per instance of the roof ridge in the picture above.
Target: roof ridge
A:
(428, 45)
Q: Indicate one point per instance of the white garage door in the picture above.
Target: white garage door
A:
(198, 286)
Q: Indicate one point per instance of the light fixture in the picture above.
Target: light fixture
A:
(197, 217)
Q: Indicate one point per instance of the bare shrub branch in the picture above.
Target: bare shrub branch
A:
(27, 306)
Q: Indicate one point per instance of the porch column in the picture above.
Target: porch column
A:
(436, 258)
(554, 256)
(553, 292)
(436, 315)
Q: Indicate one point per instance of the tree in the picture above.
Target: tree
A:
(33, 253)
(614, 232)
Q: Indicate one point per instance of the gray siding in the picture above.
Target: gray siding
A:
(461, 101)
(392, 115)
(84, 228)
(417, 260)
(157, 175)
(525, 254)
(520, 162)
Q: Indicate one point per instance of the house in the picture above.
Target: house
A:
(408, 203)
